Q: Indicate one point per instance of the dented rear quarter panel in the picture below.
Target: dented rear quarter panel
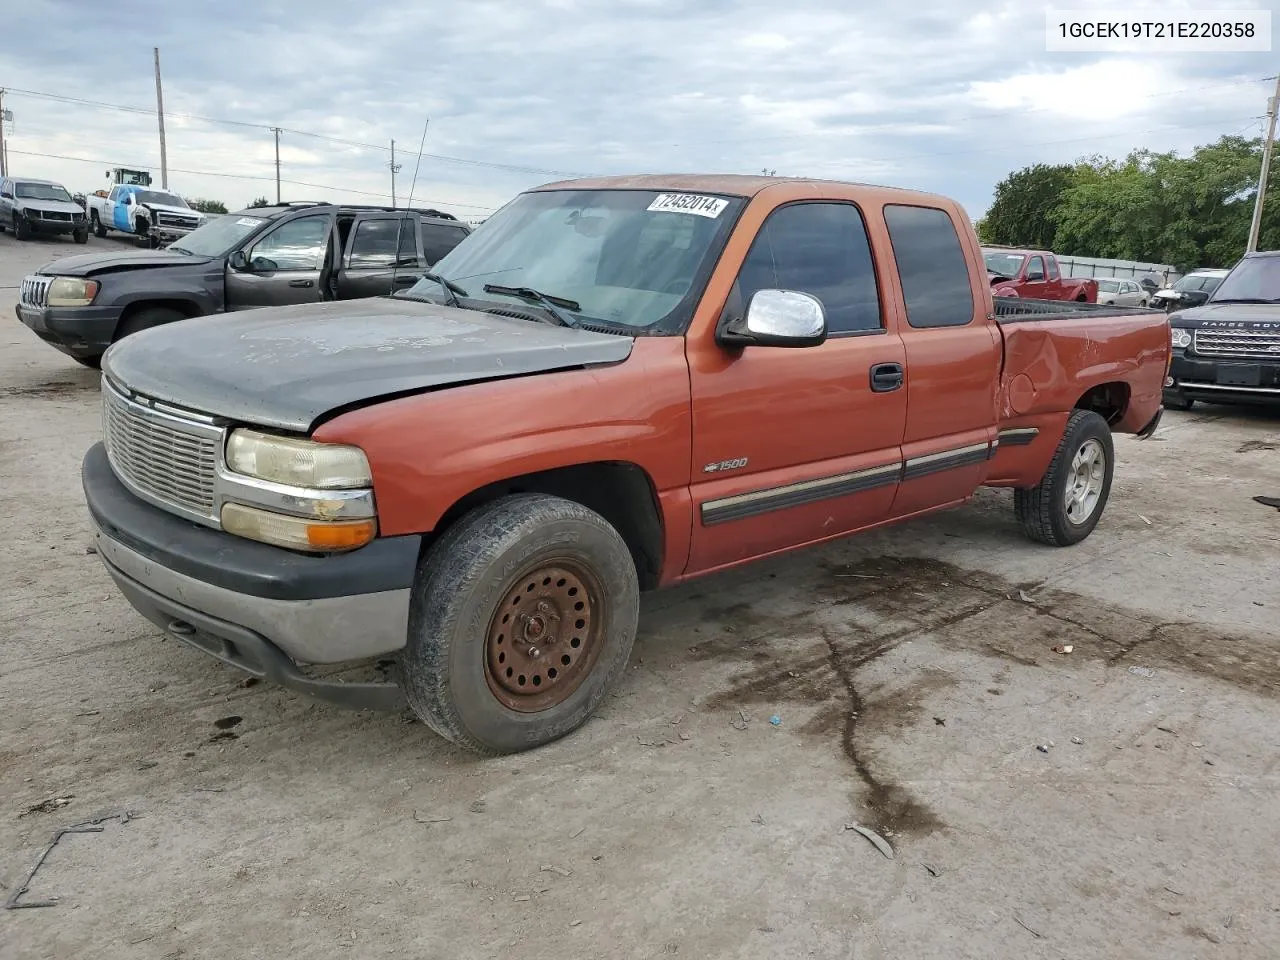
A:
(1050, 365)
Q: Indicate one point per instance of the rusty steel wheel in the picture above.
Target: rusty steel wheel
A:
(544, 638)
(521, 619)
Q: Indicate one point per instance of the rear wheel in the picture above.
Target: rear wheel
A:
(147, 318)
(522, 618)
(1065, 506)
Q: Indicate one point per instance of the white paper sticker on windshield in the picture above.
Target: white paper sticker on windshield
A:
(688, 203)
(248, 222)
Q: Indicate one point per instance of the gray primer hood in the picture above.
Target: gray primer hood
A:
(89, 264)
(287, 367)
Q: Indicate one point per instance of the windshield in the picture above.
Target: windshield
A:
(41, 191)
(1109, 286)
(155, 196)
(218, 237)
(1254, 278)
(627, 257)
(1005, 264)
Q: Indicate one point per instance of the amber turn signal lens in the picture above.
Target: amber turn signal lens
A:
(340, 535)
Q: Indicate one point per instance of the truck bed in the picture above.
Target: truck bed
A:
(1026, 310)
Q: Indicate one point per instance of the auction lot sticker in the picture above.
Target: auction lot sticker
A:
(688, 203)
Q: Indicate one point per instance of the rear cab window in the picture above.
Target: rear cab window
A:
(931, 266)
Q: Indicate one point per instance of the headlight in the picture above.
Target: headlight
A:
(1181, 337)
(72, 292)
(298, 462)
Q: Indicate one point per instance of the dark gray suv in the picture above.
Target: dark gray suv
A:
(40, 206)
(261, 257)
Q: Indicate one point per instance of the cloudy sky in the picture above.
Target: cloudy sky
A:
(944, 95)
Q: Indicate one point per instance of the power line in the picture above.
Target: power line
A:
(990, 115)
(250, 176)
(125, 108)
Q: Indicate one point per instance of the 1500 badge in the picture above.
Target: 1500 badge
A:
(724, 465)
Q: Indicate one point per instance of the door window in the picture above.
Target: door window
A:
(820, 249)
(296, 245)
(438, 239)
(1053, 268)
(1035, 269)
(374, 243)
(931, 265)
(114, 194)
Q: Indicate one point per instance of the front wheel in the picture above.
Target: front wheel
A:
(1065, 506)
(81, 235)
(522, 618)
(99, 230)
(21, 229)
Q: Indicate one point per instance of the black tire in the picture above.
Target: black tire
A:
(21, 229)
(145, 319)
(1042, 510)
(99, 230)
(81, 235)
(93, 363)
(462, 586)
(1177, 401)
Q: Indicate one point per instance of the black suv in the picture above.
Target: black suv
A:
(261, 257)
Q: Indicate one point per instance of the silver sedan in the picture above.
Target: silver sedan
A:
(1121, 293)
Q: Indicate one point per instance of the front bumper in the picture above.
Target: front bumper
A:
(254, 606)
(56, 226)
(1223, 380)
(76, 331)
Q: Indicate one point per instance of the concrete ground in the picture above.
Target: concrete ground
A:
(912, 670)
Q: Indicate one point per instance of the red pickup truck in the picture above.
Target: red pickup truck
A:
(1034, 274)
(612, 386)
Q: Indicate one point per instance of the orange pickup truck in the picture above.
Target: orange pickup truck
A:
(611, 386)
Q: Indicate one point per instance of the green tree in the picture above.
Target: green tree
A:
(207, 206)
(1191, 211)
(1019, 215)
(260, 202)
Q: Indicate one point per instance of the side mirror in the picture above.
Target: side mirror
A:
(238, 260)
(779, 318)
(1035, 277)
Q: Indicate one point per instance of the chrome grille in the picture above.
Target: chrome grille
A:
(160, 455)
(35, 291)
(1238, 342)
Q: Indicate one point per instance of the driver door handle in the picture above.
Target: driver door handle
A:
(302, 283)
(886, 377)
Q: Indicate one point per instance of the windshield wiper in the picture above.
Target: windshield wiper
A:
(451, 289)
(550, 302)
(180, 250)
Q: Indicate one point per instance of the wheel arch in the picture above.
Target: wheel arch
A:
(1110, 400)
(620, 491)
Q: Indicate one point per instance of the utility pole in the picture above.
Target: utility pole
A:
(1256, 226)
(4, 165)
(164, 159)
(276, 130)
(395, 168)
